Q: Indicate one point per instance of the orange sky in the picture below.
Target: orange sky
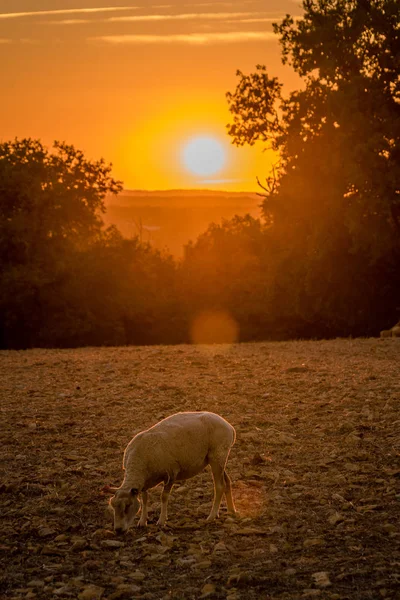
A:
(134, 81)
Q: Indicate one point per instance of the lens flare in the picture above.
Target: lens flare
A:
(214, 327)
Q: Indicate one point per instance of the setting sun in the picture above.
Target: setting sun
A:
(160, 95)
(204, 155)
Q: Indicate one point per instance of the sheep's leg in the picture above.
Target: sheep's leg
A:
(145, 508)
(228, 494)
(164, 502)
(219, 488)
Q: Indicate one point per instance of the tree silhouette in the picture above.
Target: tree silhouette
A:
(335, 204)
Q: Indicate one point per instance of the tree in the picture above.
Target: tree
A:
(335, 205)
(50, 212)
(227, 269)
(49, 199)
(118, 291)
(65, 279)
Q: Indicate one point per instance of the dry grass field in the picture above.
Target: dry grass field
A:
(315, 471)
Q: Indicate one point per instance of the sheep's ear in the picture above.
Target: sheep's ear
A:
(134, 491)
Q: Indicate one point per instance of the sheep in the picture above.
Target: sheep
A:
(175, 449)
(396, 330)
(386, 333)
(393, 332)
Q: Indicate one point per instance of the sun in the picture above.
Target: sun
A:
(203, 155)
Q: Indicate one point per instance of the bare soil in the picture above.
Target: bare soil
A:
(315, 472)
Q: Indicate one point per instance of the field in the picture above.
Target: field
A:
(315, 471)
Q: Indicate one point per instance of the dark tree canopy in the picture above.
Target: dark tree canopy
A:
(49, 199)
(324, 259)
(348, 54)
(335, 201)
(339, 40)
(65, 280)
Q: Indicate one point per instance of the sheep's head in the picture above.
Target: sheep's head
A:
(125, 505)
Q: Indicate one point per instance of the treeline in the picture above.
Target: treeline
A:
(323, 260)
(65, 279)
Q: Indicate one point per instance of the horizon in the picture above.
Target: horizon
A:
(141, 85)
(170, 219)
(196, 191)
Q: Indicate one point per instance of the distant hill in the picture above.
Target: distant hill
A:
(170, 219)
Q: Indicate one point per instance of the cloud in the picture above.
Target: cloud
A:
(257, 20)
(68, 22)
(214, 4)
(4, 41)
(66, 11)
(190, 38)
(179, 17)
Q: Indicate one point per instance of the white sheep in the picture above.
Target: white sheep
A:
(386, 333)
(393, 332)
(177, 448)
(396, 330)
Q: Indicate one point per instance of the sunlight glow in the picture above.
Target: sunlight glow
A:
(250, 500)
(150, 154)
(214, 327)
(203, 156)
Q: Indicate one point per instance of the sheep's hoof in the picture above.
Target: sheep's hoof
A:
(211, 518)
(142, 524)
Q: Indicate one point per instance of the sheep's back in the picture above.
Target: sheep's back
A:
(183, 442)
(189, 429)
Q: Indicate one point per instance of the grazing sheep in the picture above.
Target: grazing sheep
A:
(393, 332)
(396, 330)
(386, 333)
(177, 448)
